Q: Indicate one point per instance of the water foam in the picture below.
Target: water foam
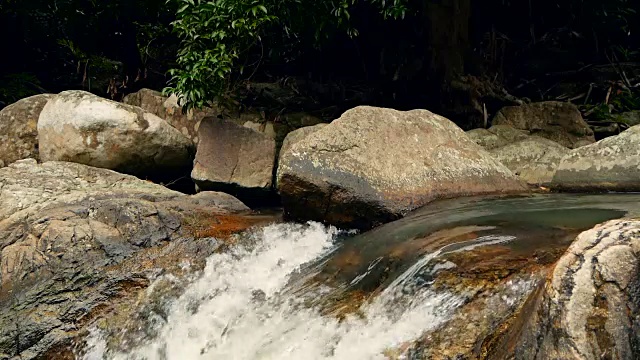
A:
(240, 309)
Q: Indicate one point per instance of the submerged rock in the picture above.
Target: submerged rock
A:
(234, 159)
(611, 164)
(373, 165)
(588, 310)
(78, 242)
(19, 129)
(558, 121)
(80, 127)
(534, 159)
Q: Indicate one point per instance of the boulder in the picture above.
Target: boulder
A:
(293, 121)
(374, 165)
(167, 108)
(534, 159)
(234, 159)
(611, 164)
(80, 127)
(78, 243)
(558, 121)
(19, 129)
(266, 128)
(297, 135)
(588, 310)
(497, 136)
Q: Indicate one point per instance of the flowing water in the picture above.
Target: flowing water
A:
(306, 291)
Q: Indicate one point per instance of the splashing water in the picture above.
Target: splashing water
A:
(241, 308)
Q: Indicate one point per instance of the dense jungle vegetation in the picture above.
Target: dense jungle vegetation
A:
(462, 58)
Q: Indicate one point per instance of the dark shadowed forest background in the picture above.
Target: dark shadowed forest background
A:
(464, 59)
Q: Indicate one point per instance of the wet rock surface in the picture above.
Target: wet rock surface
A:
(611, 164)
(78, 243)
(80, 127)
(588, 309)
(19, 129)
(558, 121)
(374, 165)
(499, 279)
(479, 267)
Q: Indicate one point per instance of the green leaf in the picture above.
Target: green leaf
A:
(183, 8)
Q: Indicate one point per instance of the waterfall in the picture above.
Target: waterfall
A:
(241, 308)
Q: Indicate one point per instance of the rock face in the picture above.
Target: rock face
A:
(610, 164)
(234, 159)
(496, 136)
(167, 108)
(76, 242)
(535, 159)
(557, 121)
(19, 129)
(297, 135)
(80, 127)
(589, 308)
(374, 165)
(266, 128)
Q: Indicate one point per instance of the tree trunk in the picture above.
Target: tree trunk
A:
(447, 33)
(447, 26)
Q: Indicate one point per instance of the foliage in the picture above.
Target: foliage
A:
(621, 101)
(626, 100)
(69, 43)
(215, 46)
(217, 35)
(14, 87)
(214, 34)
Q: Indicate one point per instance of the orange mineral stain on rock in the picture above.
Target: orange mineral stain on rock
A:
(221, 226)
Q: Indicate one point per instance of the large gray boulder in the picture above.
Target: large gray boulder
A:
(19, 129)
(497, 136)
(78, 243)
(589, 308)
(612, 164)
(296, 135)
(534, 159)
(558, 121)
(373, 165)
(234, 159)
(80, 127)
(167, 108)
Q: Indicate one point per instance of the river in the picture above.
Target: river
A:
(405, 290)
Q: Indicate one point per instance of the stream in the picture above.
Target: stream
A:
(405, 290)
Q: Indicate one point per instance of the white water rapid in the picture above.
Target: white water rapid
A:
(243, 307)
